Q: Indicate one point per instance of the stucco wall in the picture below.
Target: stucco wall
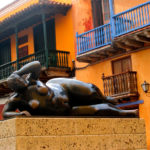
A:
(64, 37)
(140, 63)
(122, 5)
(64, 34)
(30, 43)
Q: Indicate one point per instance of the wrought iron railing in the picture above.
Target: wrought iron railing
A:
(40, 56)
(120, 84)
(55, 59)
(58, 59)
(7, 69)
(132, 19)
(92, 39)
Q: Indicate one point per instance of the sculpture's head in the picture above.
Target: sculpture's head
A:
(17, 83)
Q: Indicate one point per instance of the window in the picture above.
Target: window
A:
(23, 46)
(22, 40)
(121, 65)
(101, 12)
(106, 11)
(23, 51)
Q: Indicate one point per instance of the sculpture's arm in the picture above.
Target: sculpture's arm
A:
(17, 83)
(10, 108)
(33, 68)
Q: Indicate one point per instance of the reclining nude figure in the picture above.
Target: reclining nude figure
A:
(58, 97)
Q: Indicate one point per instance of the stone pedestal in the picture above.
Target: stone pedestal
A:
(72, 134)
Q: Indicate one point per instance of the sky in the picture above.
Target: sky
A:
(4, 3)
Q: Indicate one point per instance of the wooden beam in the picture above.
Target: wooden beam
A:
(110, 53)
(92, 58)
(147, 33)
(103, 53)
(142, 38)
(84, 59)
(134, 43)
(124, 46)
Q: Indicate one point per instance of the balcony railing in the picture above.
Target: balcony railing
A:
(92, 39)
(121, 84)
(132, 19)
(121, 23)
(55, 59)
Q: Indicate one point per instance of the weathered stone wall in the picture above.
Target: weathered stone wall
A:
(72, 134)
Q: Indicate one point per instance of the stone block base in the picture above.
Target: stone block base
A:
(72, 134)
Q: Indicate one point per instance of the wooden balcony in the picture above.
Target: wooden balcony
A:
(56, 59)
(132, 29)
(58, 66)
(90, 45)
(121, 85)
(127, 31)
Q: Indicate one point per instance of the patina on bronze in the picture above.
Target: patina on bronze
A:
(58, 97)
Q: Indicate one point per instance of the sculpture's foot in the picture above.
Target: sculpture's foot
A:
(134, 112)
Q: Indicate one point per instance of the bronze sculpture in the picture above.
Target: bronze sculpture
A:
(60, 96)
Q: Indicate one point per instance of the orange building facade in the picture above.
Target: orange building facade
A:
(36, 30)
(111, 45)
(28, 27)
(113, 50)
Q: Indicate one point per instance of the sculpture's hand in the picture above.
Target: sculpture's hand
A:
(25, 113)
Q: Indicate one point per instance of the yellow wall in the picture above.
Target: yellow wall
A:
(82, 15)
(122, 5)
(30, 43)
(140, 60)
(64, 34)
(140, 63)
(64, 37)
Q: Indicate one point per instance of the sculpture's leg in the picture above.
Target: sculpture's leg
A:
(99, 96)
(102, 110)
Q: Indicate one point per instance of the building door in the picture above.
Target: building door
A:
(50, 25)
(106, 11)
(5, 52)
(121, 65)
(39, 36)
(121, 79)
(101, 12)
(51, 42)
